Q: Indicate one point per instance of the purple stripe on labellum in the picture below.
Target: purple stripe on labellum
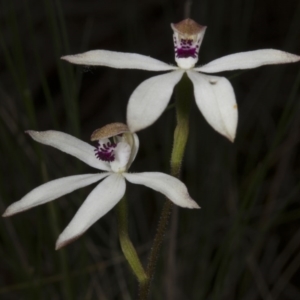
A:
(186, 48)
(186, 52)
(105, 152)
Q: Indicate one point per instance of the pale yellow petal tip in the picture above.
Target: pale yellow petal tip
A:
(293, 57)
(60, 244)
(231, 139)
(229, 136)
(190, 203)
(72, 58)
(30, 132)
(10, 211)
(13, 209)
(34, 134)
(194, 205)
(6, 214)
(66, 57)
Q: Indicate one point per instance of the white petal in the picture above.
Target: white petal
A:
(71, 145)
(101, 200)
(216, 100)
(52, 190)
(248, 60)
(135, 148)
(119, 60)
(149, 100)
(168, 185)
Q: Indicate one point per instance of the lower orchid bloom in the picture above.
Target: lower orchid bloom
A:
(114, 153)
(214, 95)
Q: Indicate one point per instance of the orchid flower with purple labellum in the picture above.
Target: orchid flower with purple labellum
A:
(115, 151)
(214, 95)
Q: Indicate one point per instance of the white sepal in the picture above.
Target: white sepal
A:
(52, 190)
(168, 185)
(248, 60)
(100, 201)
(119, 60)
(150, 99)
(216, 100)
(71, 145)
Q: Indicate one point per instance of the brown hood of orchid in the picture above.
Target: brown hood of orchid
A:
(187, 27)
(109, 130)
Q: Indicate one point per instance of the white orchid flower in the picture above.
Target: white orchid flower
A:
(114, 153)
(214, 95)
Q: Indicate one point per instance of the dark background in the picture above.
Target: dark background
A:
(242, 244)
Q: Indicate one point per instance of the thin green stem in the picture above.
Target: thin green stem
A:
(182, 104)
(162, 226)
(126, 244)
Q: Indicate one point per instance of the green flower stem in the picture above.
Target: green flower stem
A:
(184, 96)
(182, 104)
(126, 245)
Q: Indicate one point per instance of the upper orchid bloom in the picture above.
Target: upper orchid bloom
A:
(114, 153)
(214, 95)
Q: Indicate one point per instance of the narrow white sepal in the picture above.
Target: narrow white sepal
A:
(150, 99)
(119, 60)
(216, 100)
(52, 190)
(100, 201)
(71, 145)
(168, 185)
(248, 60)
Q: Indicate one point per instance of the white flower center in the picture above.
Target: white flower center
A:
(116, 153)
(186, 50)
(188, 36)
